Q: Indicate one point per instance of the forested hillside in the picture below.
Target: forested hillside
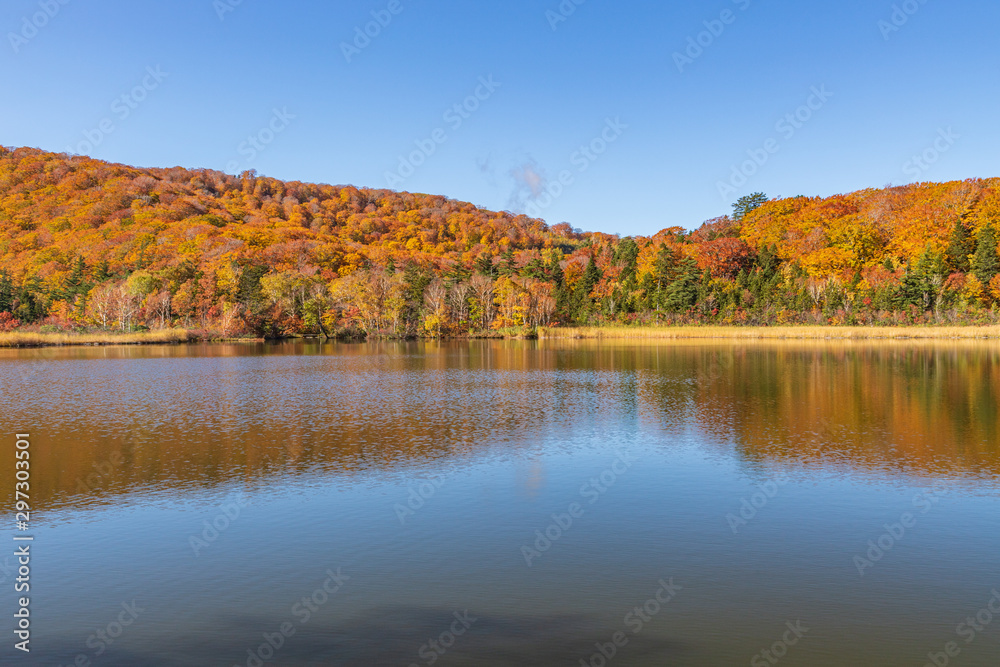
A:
(91, 244)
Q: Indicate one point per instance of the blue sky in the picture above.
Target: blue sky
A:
(588, 115)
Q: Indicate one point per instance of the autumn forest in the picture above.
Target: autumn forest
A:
(89, 246)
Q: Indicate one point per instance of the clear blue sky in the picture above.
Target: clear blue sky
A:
(895, 94)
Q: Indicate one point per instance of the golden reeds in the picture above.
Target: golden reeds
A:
(785, 332)
(29, 339)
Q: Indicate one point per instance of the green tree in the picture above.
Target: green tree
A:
(920, 282)
(748, 203)
(986, 262)
(102, 272)
(959, 248)
(508, 265)
(32, 301)
(484, 265)
(582, 303)
(682, 293)
(75, 283)
(7, 293)
(455, 274)
(554, 271)
(767, 260)
(626, 255)
(534, 269)
(664, 271)
(415, 281)
(563, 295)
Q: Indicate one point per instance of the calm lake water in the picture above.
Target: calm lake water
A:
(509, 503)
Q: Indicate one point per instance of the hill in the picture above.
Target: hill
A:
(87, 243)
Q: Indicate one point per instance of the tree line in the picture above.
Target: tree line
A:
(88, 244)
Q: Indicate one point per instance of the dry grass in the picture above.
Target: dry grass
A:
(28, 339)
(758, 333)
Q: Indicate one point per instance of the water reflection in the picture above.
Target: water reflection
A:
(135, 451)
(114, 421)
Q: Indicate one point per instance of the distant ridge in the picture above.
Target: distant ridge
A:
(207, 239)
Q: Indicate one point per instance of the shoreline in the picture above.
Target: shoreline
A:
(22, 339)
(804, 332)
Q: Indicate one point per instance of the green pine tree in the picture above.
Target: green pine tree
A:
(415, 281)
(484, 265)
(455, 274)
(75, 283)
(986, 262)
(563, 296)
(534, 269)
(582, 303)
(959, 248)
(745, 205)
(7, 293)
(32, 300)
(664, 272)
(102, 271)
(767, 260)
(626, 255)
(682, 293)
(508, 265)
(918, 286)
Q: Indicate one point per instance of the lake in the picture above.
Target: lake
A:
(508, 503)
